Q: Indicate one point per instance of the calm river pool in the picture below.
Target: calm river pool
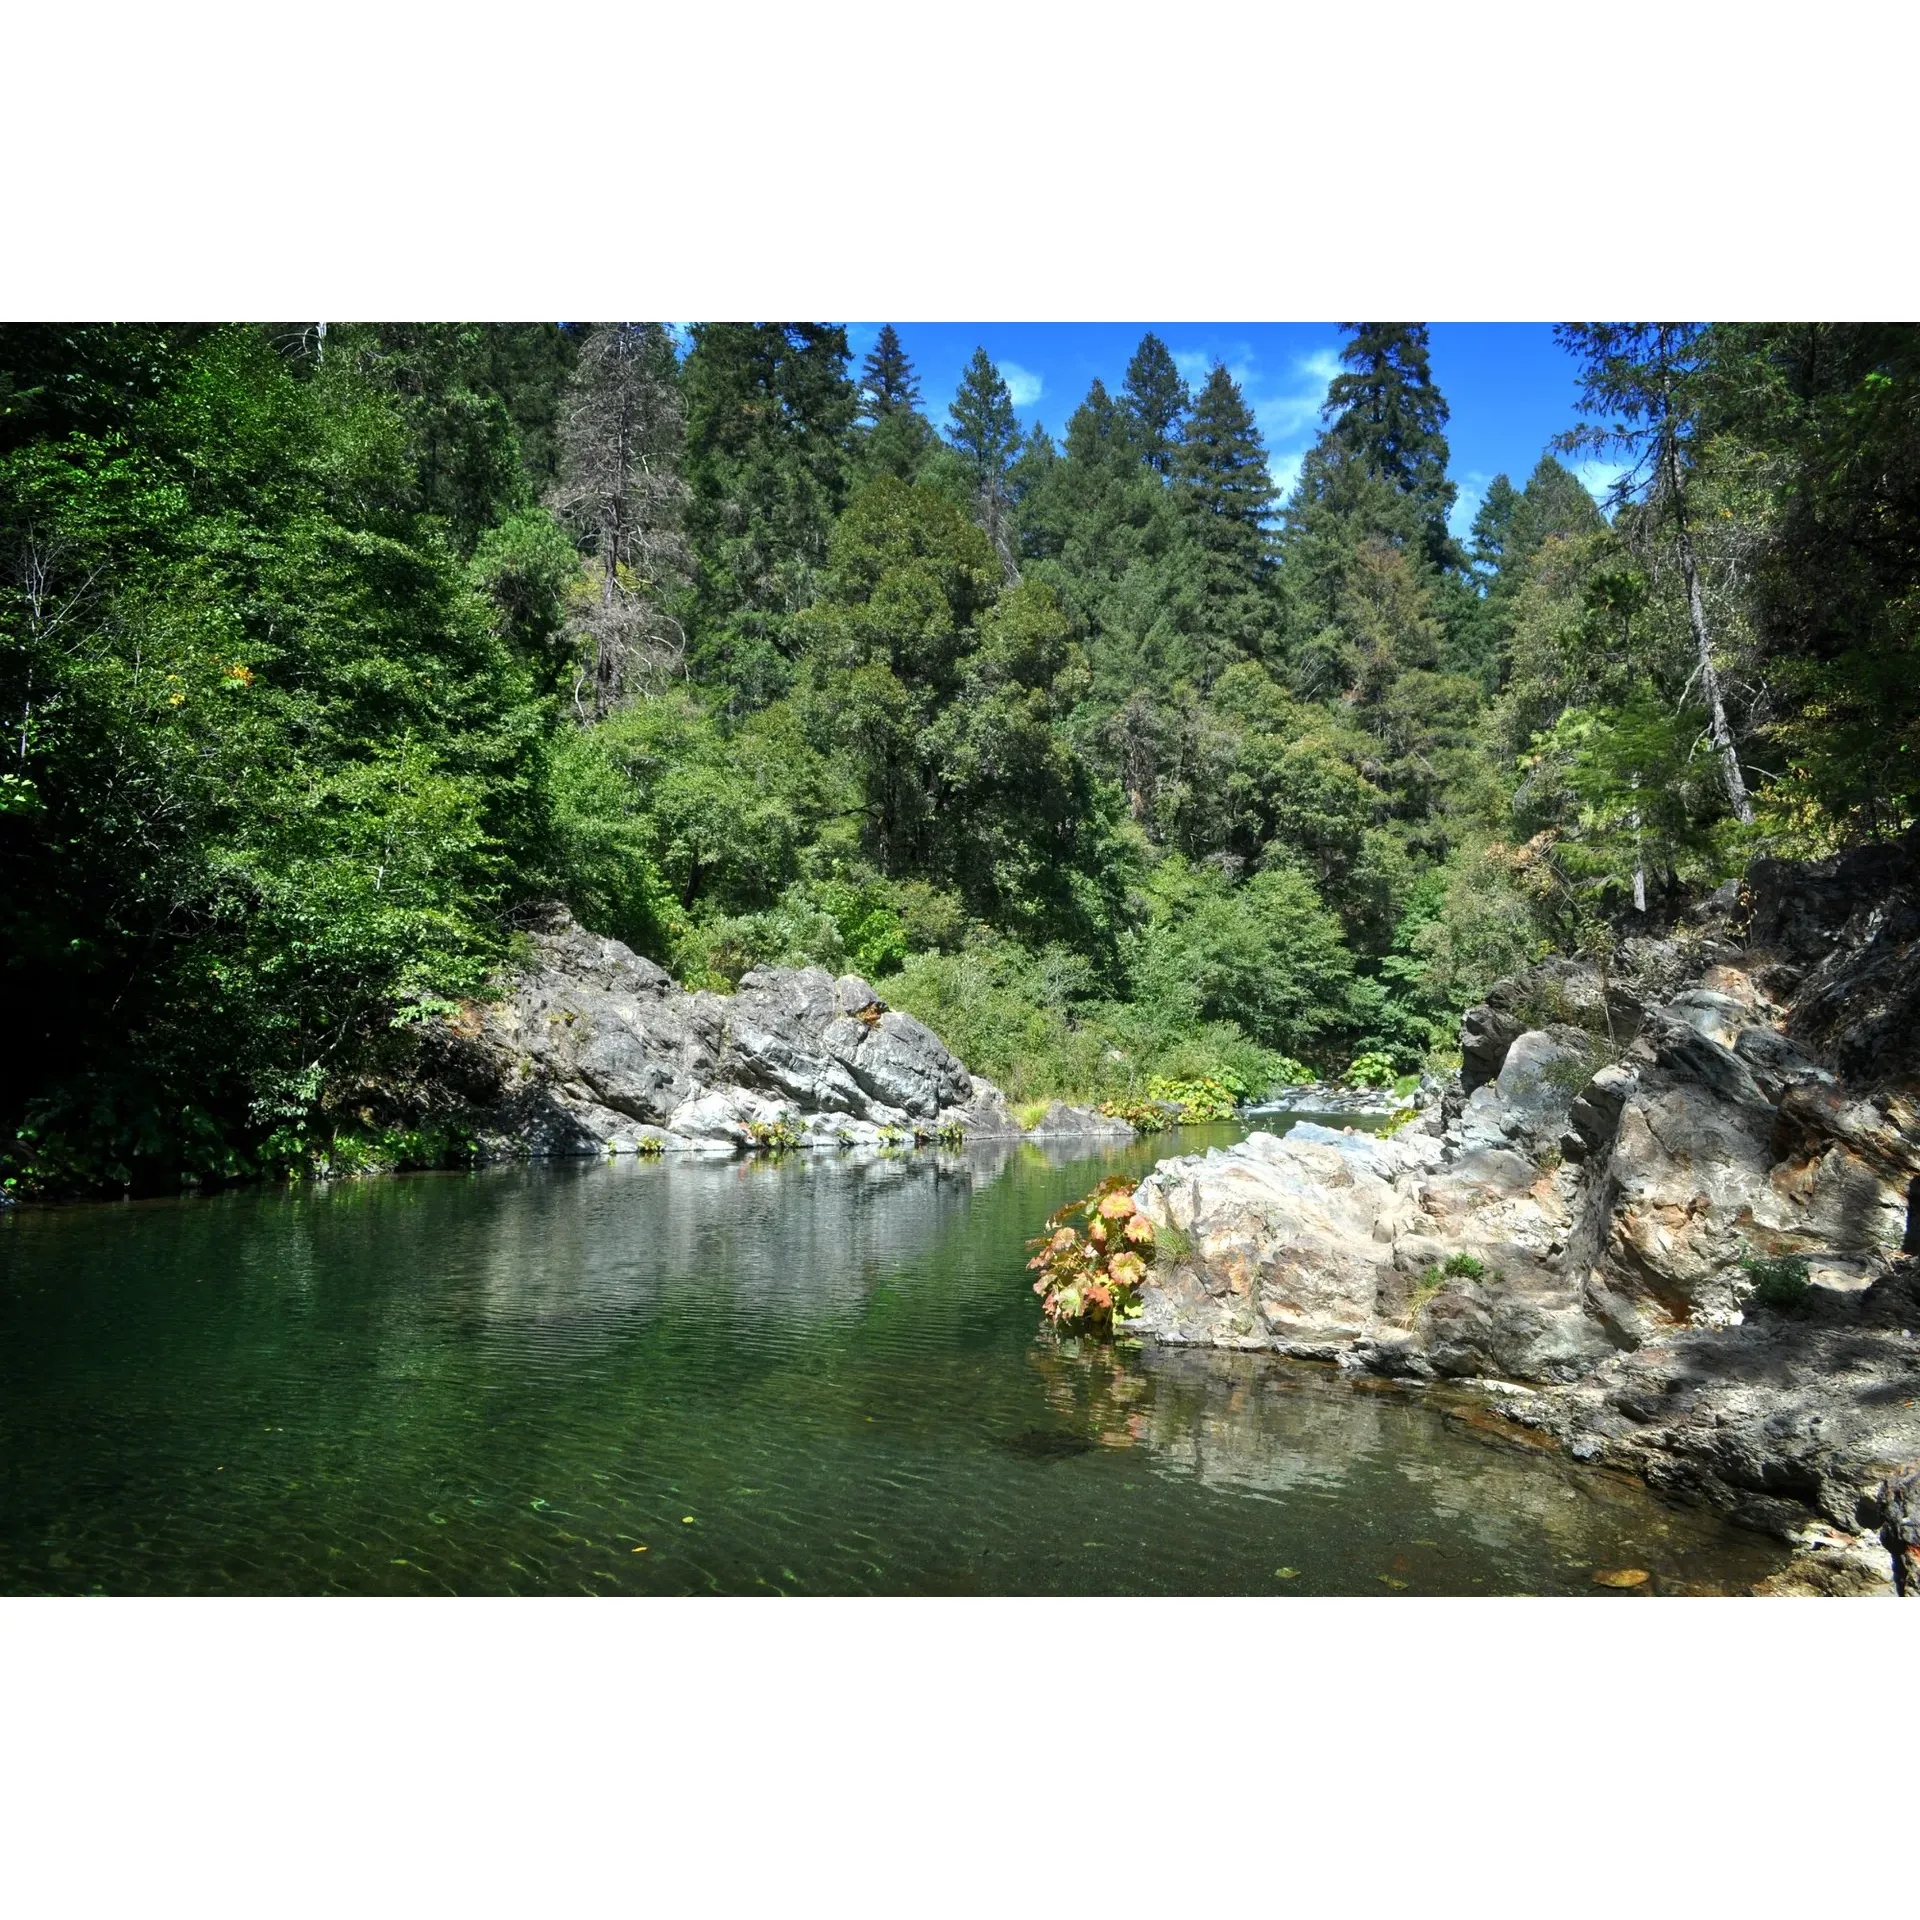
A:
(818, 1374)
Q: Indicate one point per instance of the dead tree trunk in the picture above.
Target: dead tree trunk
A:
(1721, 733)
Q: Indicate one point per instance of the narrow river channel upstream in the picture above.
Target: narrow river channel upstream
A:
(816, 1374)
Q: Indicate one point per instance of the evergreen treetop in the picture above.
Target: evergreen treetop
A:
(888, 383)
(1385, 413)
(1157, 401)
(1493, 526)
(981, 420)
(1222, 466)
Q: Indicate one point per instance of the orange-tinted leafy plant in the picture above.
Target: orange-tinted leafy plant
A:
(1090, 1278)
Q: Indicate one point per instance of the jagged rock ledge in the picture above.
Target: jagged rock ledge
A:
(1569, 1225)
(592, 1049)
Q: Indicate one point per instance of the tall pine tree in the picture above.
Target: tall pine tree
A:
(1493, 528)
(983, 427)
(899, 436)
(1385, 414)
(888, 383)
(1156, 401)
(1226, 497)
(770, 415)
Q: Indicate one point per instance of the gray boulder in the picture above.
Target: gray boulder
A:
(592, 1049)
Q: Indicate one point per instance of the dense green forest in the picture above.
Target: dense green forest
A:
(323, 651)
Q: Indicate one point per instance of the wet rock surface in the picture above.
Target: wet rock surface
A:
(1578, 1214)
(593, 1049)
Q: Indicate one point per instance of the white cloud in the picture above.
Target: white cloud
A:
(1195, 367)
(1288, 409)
(1026, 388)
(1473, 489)
(1598, 475)
(1283, 469)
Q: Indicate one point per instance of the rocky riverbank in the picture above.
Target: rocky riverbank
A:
(1594, 1217)
(593, 1050)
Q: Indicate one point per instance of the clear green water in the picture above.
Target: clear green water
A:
(816, 1375)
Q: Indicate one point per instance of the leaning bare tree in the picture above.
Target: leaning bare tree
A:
(620, 492)
(1636, 382)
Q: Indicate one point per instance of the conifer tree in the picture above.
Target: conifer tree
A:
(1493, 527)
(1226, 497)
(1510, 528)
(888, 383)
(770, 415)
(1386, 415)
(899, 436)
(1157, 401)
(620, 490)
(1555, 505)
(1228, 491)
(983, 427)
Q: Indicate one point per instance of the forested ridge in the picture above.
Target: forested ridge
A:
(326, 651)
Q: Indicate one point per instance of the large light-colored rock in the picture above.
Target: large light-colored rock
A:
(1537, 1082)
(593, 1049)
(1330, 1245)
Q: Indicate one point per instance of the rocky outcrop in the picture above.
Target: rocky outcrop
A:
(1777, 1420)
(1579, 1217)
(592, 1049)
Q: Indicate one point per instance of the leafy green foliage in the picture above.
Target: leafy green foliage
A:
(1780, 1282)
(1091, 1276)
(780, 1135)
(1179, 1103)
(284, 758)
(1432, 1280)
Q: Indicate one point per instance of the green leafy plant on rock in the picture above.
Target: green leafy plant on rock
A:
(1780, 1282)
(1434, 1277)
(1203, 1101)
(773, 1136)
(1372, 1070)
(1179, 1103)
(1091, 1277)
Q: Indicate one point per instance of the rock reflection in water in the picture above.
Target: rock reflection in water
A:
(800, 1238)
(1424, 1468)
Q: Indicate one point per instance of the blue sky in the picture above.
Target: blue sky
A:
(1510, 387)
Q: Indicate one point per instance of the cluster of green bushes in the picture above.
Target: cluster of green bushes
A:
(1779, 1282)
(1179, 1103)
